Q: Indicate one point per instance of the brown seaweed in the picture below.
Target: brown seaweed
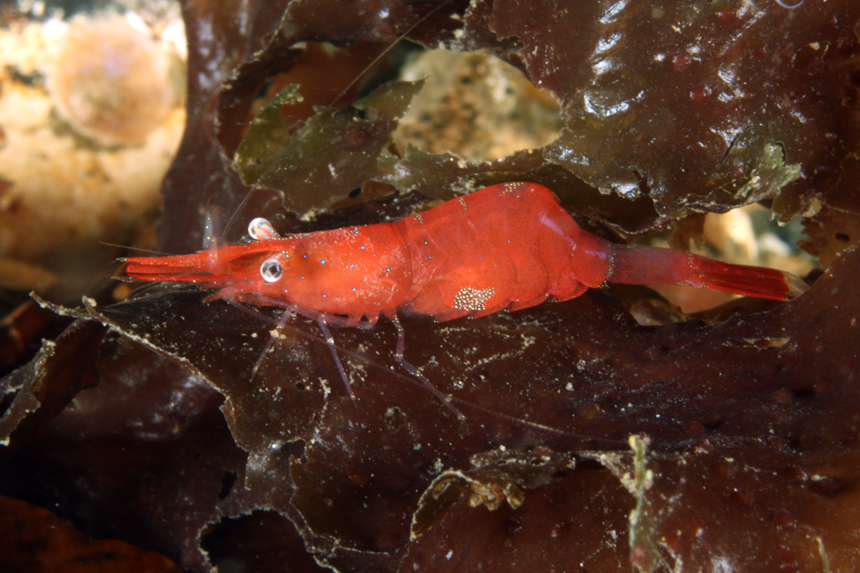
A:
(744, 449)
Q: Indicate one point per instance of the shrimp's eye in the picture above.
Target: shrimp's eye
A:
(271, 270)
(261, 230)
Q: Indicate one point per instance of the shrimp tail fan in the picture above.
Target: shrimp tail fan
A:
(648, 265)
(745, 280)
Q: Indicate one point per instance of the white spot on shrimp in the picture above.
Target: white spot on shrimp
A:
(509, 188)
(472, 298)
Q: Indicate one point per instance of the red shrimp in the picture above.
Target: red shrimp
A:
(508, 246)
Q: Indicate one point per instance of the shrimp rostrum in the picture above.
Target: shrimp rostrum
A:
(508, 246)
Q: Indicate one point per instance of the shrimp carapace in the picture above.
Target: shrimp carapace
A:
(508, 246)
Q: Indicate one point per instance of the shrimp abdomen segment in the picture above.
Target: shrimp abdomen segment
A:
(506, 246)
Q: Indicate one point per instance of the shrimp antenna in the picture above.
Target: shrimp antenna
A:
(387, 50)
(135, 249)
(344, 91)
(238, 210)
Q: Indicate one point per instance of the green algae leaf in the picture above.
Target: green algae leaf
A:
(266, 136)
(335, 152)
(765, 171)
(769, 176)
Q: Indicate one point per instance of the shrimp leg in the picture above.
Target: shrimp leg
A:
(329, 340)
(270, 342)
(398, 357)
(324, 319)
(236, 298)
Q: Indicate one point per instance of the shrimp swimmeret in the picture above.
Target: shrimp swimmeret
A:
(508, 246)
